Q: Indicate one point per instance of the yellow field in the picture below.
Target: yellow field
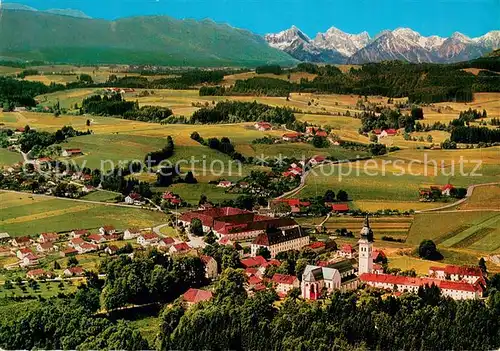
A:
(482, 198)
(373, 206)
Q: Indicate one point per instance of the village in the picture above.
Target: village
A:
(261, 242)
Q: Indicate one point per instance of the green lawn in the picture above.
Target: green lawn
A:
(104, 196)
(45, 289)
(8, 158)
(192, 192)
(28, 216)
(148, 327)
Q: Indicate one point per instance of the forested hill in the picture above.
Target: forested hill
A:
(156, 40)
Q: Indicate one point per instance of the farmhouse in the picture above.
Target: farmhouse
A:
(180, 248)
(48, 237)
(194, 296)
(347, 251)
(291, 136)
(87, 247)
(447, 190)
(317, 160)
(295, 204)
(46, 247)
(71, 152)
(225, 184)
(73, 272)
(23, 252)
(107, 229)
(96, 238)
(263, 126)
(133, 198)
(131, 233)
(29, 260)
(38, 274)
(278, 240)
(340, 208)
(165, 243)
(148, 239)
(21, 241)
(78, 233)
(284, 283)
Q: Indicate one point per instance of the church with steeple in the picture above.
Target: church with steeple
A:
(365, 263)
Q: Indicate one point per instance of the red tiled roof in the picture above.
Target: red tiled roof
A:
(256, 261)
(376, 253)
(81, 231)
(460, 270)
(77, 241)
(168, 241)
(88, 246)
(22, 239)
(149, 236)
(73, 150)
(76, 270)
(447, 187)
(271, 262)
(108, 228)
(409, 281)
(319, 158)
(95, 237)
(340, 207)
(182, 246)
(317, 245)
(36, 272)
(254, 280)
(321, 133)
(46, 246)
(284, 279)
(26, 251)
(391, 131)
(251, 271)
(197, 295)
(347, 249)
(70, 251)
(291, 135)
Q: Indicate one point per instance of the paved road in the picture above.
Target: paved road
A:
(470, 190)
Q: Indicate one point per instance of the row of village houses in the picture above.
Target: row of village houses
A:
(342, 272)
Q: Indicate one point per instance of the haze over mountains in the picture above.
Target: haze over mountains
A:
(157, 40)
(335, 46)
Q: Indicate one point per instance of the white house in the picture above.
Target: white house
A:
(148, 239)
(131, 233)
(284, 283)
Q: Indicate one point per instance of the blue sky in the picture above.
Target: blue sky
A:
(441, 17)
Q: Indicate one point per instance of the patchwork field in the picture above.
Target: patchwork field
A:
(397, 178)
(396, 227)
(24, 214)
(483, 197)
(478, 231)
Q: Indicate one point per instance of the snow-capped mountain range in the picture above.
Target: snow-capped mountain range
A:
(335, 46)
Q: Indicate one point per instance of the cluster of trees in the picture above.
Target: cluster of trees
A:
(181, 80)
(22, 92)
(108, 105)
(28, 72)
(155, 114)
(471, 115)
(236, 112)
(389, 118)
(148, 278)
(273, 69)
(156, 157)
(223, 145)
(474, 135)
(31, 139)
(346, 321)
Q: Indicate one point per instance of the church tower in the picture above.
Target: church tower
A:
(365, 264)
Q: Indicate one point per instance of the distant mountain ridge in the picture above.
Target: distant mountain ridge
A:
(63, 12)
(336, 46)
(154, 40)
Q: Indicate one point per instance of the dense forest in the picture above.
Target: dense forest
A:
(235, 112)
(422, 83)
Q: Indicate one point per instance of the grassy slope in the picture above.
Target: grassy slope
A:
(23, 215)
(149, 40)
